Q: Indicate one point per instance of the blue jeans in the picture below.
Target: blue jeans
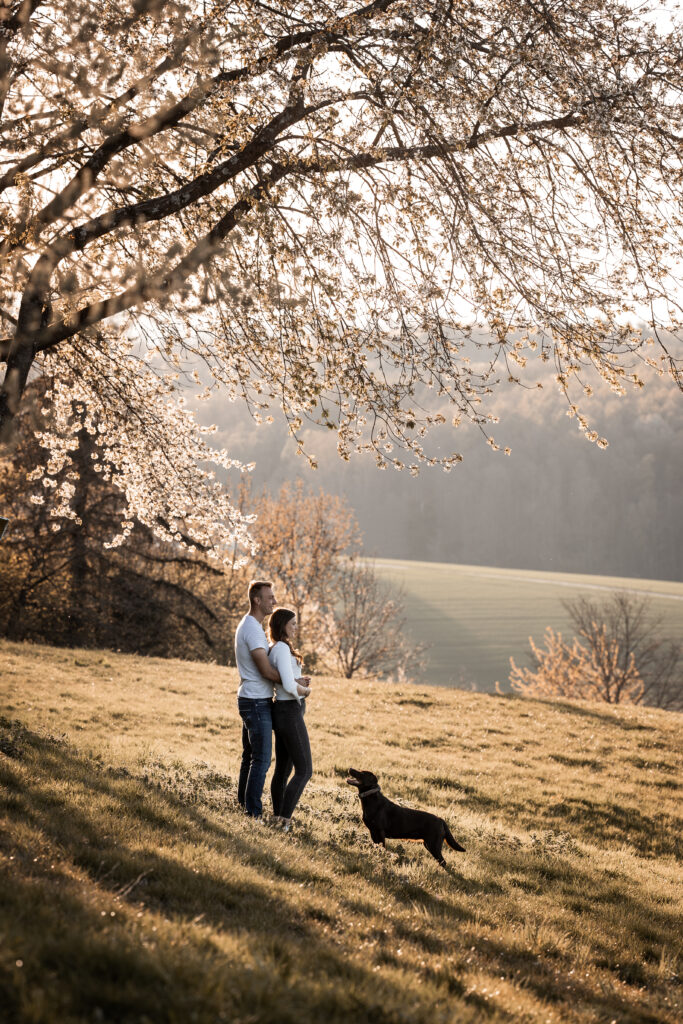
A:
(257, 748)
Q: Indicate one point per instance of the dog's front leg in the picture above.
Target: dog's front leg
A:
(378, 837)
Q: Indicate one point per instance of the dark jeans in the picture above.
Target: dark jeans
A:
(257, 747)
(292, 750)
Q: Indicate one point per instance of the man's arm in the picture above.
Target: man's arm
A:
(264, 666)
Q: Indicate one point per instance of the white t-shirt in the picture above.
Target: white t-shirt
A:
(281, 658)
(249, 636)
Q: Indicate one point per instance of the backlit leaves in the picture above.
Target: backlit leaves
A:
(357, 212)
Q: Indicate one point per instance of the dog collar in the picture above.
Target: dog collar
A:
(369, 792)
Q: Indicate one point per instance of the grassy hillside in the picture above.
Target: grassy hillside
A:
(475, 617)
(133, 890)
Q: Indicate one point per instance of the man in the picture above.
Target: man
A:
(255, 696)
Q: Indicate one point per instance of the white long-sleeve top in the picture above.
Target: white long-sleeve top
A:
(280, 656)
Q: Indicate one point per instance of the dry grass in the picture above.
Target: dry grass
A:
(132, 889)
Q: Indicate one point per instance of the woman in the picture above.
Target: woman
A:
(292, 748)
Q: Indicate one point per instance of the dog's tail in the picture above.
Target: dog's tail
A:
(454, 845)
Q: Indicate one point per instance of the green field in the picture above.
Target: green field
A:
(134, 891)
(473, 618)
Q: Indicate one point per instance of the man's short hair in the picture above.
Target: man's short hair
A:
(254, 588)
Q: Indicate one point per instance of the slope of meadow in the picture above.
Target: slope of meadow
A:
(474, 617)
(133, 890)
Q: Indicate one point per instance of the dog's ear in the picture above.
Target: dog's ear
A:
(368, 779)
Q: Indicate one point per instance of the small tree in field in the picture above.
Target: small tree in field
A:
(633, 629)
(365, 626)
(300, 537)
(619, 656)
(563, 670)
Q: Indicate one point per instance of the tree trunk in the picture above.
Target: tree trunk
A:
(79, 597)
(19, 363)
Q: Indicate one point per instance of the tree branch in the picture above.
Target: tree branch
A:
(86, 176)
(78, 127)
(12, 21)
(13, 18)
(166, 282)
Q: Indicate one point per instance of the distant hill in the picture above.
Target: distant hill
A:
(474, 618)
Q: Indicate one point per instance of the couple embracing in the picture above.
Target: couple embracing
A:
(271, 698)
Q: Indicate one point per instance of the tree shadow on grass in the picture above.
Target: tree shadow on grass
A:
(552, 982)
(597, 893)
(106, 921)
(608, 822)
(615, 718)
(603, 822)
(604, 908)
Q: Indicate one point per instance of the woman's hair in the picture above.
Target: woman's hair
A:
(276, 628)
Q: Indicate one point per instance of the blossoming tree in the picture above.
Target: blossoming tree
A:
(621, 655)
(327, 205)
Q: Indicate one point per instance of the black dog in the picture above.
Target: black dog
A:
(387, 820)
